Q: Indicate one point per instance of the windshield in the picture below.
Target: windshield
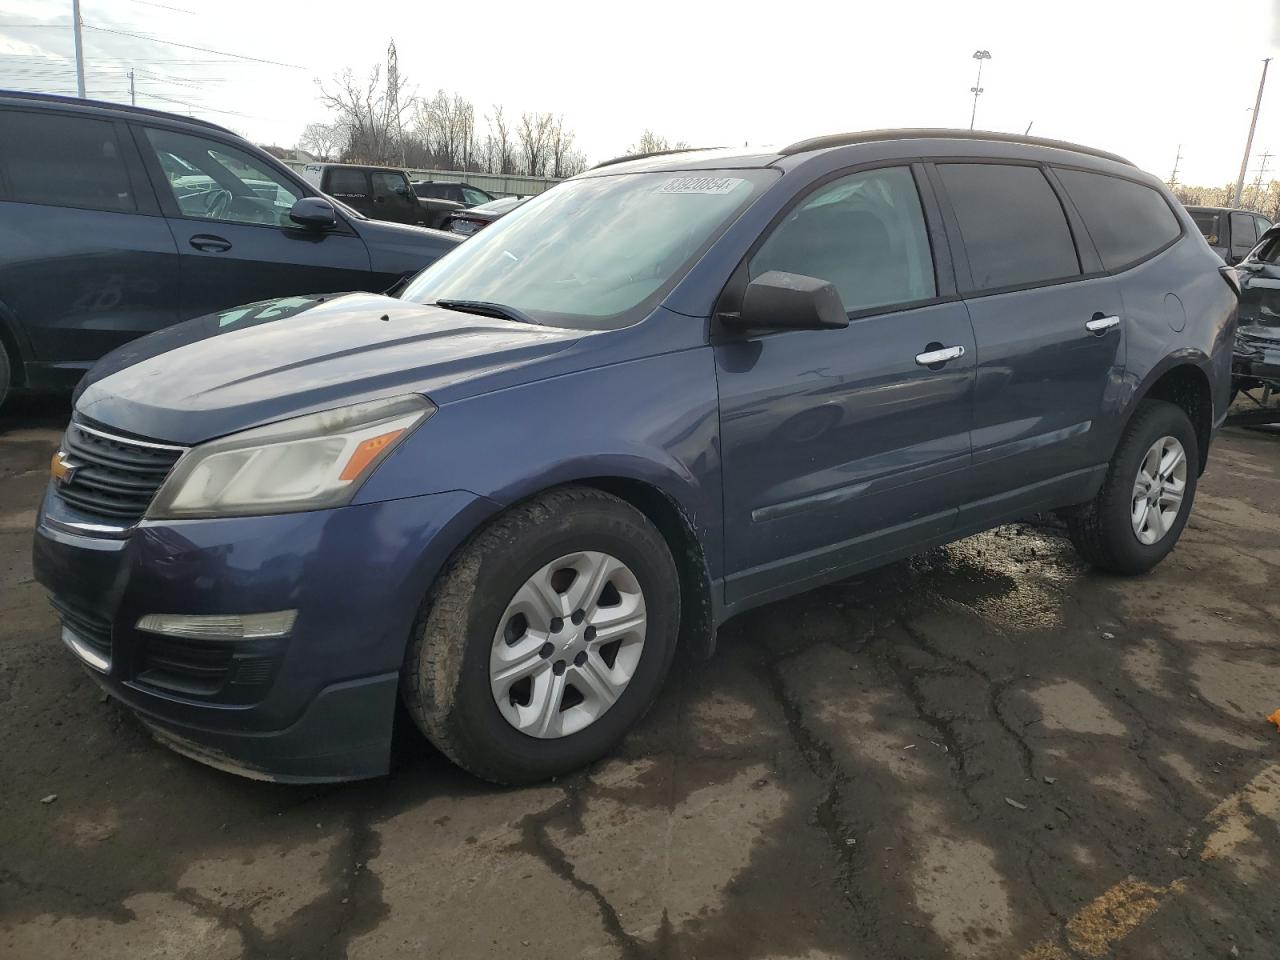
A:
(594, 253)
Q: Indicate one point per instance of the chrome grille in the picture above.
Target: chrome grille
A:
(113, 477)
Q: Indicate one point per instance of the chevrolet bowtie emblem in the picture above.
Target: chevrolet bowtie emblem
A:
(62, 469)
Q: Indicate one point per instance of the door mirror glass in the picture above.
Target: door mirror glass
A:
(789, 301)
(314, 213)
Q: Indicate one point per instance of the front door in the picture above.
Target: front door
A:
(394, 199)
(229, 213)
(843, 446)
(1050, 341)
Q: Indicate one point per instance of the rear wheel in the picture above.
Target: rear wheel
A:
(1138, 515)
(6, 373)
(546, 638)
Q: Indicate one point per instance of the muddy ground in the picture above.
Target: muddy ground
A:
(988, 751)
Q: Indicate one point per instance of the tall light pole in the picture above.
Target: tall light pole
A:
(75, 19)
(976, 89)
(1253, 123)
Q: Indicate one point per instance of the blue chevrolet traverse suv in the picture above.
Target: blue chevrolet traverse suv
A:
(665, 392)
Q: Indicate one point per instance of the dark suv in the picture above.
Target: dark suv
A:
(463, 193)
(118, 221)
(1231, 233)
(505, 496)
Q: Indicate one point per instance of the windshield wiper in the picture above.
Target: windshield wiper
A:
(487, 308)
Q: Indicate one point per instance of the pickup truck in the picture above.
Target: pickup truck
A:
(1231, 233)
(380, 193)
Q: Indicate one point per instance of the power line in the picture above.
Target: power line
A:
(163, 6)
(188, 46)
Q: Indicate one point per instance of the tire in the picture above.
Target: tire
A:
(6, 373)
(1104, 530)
(447, 682)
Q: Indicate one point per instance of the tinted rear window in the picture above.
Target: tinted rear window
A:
(1126, 220)
(347, 183)
(63, 161)
(1209, 222)
(1013, 227)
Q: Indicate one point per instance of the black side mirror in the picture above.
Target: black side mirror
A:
(788, 301)
(314, 213)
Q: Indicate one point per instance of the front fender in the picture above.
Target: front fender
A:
(652, 420)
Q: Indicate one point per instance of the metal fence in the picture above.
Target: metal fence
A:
(500, 185)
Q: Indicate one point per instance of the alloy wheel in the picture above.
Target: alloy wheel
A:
(1158, 490)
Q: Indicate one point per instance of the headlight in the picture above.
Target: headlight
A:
(307, 463)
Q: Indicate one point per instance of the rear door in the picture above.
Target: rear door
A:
(1244, 236)
(86, 261)
(841, 446)
(1049, 331)
(351, 186)
(394, 199)
(230, 218)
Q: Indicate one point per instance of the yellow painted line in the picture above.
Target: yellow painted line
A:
(1096, 928)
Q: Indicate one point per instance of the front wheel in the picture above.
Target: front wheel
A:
(546, 638)
(1144, 502)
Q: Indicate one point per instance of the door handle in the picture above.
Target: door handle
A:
(209, 243)
(933, 357)
(1100, 324)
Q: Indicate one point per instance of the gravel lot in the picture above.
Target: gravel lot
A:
(986, 752)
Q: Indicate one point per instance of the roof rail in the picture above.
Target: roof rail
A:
(108, 105)
(936, 133)
(650, 153)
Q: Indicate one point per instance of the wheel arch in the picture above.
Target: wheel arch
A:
(1182, 381)
(15, 345)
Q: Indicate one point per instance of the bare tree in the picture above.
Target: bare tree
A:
(371, 111)
(535, 141)
(446, 126)
(502, 151)
(565, 160)
(325, 140)
(651, 142)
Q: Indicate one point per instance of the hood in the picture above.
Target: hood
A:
(252, 365)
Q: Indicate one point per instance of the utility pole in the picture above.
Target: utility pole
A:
(393, 93)
(1253, 123)
(1173, 177)
(75, 19)
(133, 96)
(976, 89)
(1262, 173)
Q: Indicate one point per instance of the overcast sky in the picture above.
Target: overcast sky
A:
(1136, 78)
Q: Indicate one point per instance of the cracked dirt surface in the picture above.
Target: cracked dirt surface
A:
(988, 751)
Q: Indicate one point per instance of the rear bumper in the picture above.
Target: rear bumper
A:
(317, 704)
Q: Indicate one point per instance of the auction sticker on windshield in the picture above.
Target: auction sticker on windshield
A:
(716, 185)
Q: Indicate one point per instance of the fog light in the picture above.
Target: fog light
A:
(229, 626)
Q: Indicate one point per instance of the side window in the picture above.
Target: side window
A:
(213, 181)
(1013, 227)
(388, 183)
(347, 184)
(1126, 220)
(62, 160)
(864, 233)
(1263, 225)
(1243, 234)
(473, 196)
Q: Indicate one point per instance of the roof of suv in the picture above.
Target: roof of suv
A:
(108, 107)
(709, 158)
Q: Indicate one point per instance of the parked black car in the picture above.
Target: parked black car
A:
(1256, 359)
(118, 221)
(475, 219)
(1231, 233)
(380, 193)
(463, 193)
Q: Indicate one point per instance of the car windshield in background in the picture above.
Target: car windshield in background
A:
(594, 253)
(1210, 224)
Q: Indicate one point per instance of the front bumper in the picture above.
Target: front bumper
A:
(317, 704)
(1256, 356)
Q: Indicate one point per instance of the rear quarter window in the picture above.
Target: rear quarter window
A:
(1014, 230)
(1127, 221)
(347, 183)
(62, 160)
